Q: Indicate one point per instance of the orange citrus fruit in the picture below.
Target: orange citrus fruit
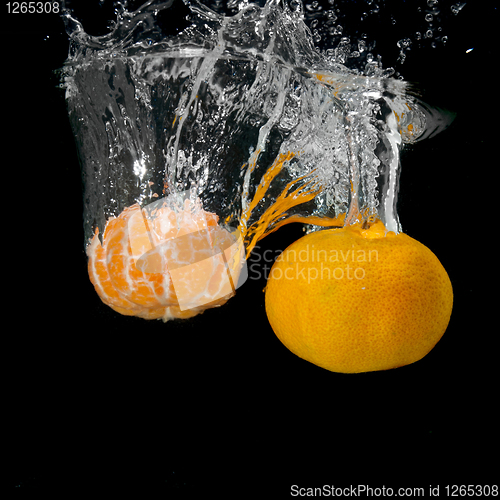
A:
(163, 261)
(357, 300)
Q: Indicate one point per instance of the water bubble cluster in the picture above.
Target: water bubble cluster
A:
(431, 31)
(423, 22)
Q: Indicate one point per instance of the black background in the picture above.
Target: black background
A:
(98, 401)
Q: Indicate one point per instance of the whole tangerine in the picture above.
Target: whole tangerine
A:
(356, 300)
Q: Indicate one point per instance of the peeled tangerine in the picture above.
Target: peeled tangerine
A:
(357, 300)
(165, 261)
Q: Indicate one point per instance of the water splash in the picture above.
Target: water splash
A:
(242, 108)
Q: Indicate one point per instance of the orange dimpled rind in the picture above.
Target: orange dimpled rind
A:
(359, 299)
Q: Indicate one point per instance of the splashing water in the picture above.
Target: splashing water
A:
(244, 112)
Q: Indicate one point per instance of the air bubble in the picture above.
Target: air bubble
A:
(314, 6)
(456, 8)
(429, 17)
(404, 43)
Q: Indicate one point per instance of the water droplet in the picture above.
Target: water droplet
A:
(404, 43)
(314, 6)
(456, 8)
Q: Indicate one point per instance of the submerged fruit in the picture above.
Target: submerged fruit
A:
(164, 261)
(357, 300)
